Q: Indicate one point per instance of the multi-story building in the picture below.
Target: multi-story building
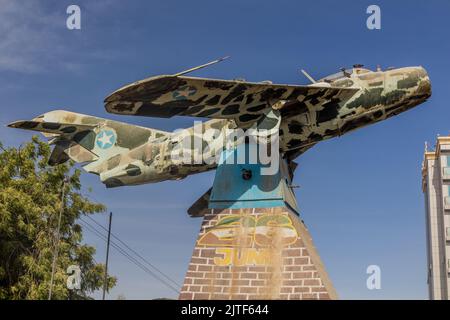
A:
(436, 188)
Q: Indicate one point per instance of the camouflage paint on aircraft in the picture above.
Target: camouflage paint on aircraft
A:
(306, 115)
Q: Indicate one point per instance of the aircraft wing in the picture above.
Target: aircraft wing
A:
(168, 95)
(52, 128)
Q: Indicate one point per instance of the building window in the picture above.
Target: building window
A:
(448, 234)
(446, 197)
(446, 190)
(446, 171)
(447, 166)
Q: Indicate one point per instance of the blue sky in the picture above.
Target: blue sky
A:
(360, 194)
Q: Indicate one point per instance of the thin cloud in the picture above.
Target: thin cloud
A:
(35, 38)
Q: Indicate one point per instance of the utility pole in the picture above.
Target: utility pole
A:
(56, 244)
(105, 281)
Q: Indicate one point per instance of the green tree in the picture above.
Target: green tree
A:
(30, 203)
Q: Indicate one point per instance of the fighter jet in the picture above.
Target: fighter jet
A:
(125, 154)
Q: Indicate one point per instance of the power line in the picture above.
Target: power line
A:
(137, 254)
(146, 261)
(126, 254)
(131, 249)
(105, 284)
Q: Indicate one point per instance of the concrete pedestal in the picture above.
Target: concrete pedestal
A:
(252, 244)
(255, 253)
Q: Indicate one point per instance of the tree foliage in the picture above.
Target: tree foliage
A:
(30, 203)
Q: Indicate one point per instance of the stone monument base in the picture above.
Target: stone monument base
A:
(255, 253)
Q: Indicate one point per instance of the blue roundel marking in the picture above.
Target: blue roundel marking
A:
(105, 139)
(184, 92)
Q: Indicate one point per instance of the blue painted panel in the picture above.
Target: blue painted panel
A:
(230, 186)
(230, 190)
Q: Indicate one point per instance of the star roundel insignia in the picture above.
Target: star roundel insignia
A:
(106, 139)
(184, 92)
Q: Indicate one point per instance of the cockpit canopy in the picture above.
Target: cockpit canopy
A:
(345, 73)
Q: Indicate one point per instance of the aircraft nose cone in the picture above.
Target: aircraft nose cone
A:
(424, 84)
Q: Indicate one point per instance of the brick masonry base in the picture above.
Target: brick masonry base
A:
(249, 254)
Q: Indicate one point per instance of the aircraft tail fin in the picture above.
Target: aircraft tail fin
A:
(67, 138)
(85, 138)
